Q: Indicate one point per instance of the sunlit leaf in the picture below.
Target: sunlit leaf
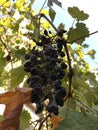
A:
(80, 32)
(17, 76)
(2, 2)
(25, 120)
(76, 13)
(19, 53)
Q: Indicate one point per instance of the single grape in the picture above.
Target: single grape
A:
(27, 56)
(34, 71)
(45, 32)
(27, 69)
(61, 92)
(39, 108)
(62, 54)
(59, 101)
(27, 64)
(53, 107)
(57, 84)
(34, 97)
(63, 65)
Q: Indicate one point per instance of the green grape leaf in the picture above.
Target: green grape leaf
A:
(24, 120)
(19, 53)
(78, 120)
(80, 32)
(76, 13)
(17, 76)
(52, 14)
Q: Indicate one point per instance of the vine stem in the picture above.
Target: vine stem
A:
(84, 36)
(70, 72)
(44, 121)
(42, 15)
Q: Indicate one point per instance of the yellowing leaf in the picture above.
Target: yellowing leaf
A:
(45, 12)
(2, 2)
(7, 4)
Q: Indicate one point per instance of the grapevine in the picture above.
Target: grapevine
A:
(46, 66)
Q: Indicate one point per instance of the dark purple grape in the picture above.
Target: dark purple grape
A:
(34, 71)
(59, 101)
(53, 76)
(57, 84)
(46, 32)
(34, 97)
(27, 69)
(27, 64)
(27, 56)
(33, 59)
(43, 38)
(61, 92)
(62, 54)
(61, 32)
(39, 108)
(39, 43)
(53, 107)
(59, 45)
(63, 65)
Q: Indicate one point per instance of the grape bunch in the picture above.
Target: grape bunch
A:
(46, 69)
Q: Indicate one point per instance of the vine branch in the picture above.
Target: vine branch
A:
(84, 36)
(42, 15)
(41, 123)
(70, 72)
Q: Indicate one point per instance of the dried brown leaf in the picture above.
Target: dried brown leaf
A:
(13, 101)
(55, 121)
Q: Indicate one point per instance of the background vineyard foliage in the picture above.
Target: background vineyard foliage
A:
(19, 25)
